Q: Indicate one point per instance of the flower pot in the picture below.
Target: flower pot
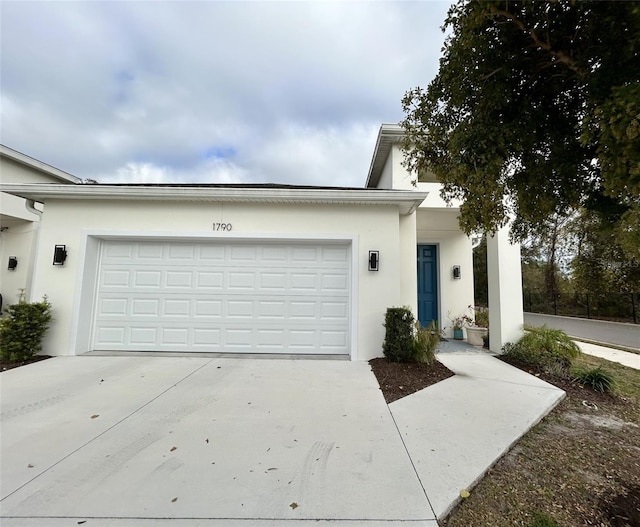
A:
(475, 334)
(457, 333)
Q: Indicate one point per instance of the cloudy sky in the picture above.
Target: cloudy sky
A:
(211, 91)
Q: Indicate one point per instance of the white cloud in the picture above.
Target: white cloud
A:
(288, 92)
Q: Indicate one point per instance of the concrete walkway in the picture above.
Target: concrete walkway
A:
(631, 360)
(457, 429)
(243, 442)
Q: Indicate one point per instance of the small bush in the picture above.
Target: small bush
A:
(398, 343)
(547, 349)
(481, 316)
(22, 331)
(425, 342)
(596, 378)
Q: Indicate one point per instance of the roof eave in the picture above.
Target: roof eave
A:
(408, 201)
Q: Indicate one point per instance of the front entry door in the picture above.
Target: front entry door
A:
(427, 284)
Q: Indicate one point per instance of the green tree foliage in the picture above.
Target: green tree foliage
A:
(546, 255)
(535, 111)
(601, 263)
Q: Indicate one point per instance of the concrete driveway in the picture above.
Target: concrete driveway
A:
(107, 441)
(201, 441)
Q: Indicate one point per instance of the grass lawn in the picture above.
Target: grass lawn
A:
(580, 466)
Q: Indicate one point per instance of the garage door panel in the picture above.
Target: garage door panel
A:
(150, 251)
(237, 297)
(141, 335)
(179, 279)
(114, 278)
(241, 280)
(181, 252)
(145, 307)
(208, 308)
(210, 280)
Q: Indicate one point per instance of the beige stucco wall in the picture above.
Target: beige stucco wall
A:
(77, 224)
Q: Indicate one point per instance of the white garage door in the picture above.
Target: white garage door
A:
(223, 297)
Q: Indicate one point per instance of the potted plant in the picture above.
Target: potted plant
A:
(479, 328)
(459, 322)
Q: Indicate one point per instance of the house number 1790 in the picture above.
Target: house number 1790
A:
(222, 227)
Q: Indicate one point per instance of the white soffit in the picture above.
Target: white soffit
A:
(407, 200)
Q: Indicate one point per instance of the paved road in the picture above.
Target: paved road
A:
(627, 335)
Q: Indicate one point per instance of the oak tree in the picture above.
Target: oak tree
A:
(535, 111)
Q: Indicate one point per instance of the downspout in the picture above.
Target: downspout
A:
(30, 206)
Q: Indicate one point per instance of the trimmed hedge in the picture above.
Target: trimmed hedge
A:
(398, 343)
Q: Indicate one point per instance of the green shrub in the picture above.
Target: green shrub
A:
(547, 349)
(425, 342)
(481, 316)
(22, 331)
(596, 378)
(398, 343)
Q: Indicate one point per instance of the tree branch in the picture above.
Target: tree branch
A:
(560, 55)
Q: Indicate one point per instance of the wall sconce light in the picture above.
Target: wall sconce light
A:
(59, 254)
(456, 272)
(374, 260)
(13, 263)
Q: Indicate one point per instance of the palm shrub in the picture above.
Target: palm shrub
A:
(545, 348)
(596, 378)
(22, 331)
(398, 340)
(425, 342)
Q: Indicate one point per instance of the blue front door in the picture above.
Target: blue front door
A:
(427, 284)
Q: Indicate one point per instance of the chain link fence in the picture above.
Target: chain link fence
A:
(615, 307)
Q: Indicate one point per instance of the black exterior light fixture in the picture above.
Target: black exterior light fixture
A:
(13, 263)
(374, 260)
(456, 272)
(59, 254)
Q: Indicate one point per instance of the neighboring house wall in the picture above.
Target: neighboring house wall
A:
(16, 167)
(19, 240)
(19, 225)
(366, 227)
(18, 236)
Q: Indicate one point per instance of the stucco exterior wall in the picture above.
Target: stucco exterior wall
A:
(19, 241)
(12, 172)
(369, 228)
(386, 178)
(440, 227)
(402, 178)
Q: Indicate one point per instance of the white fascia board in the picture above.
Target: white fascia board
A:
(30, 162)
(388, 135)
(407, 200)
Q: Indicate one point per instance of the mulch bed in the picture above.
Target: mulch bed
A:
(8, 365)
(399, 379)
